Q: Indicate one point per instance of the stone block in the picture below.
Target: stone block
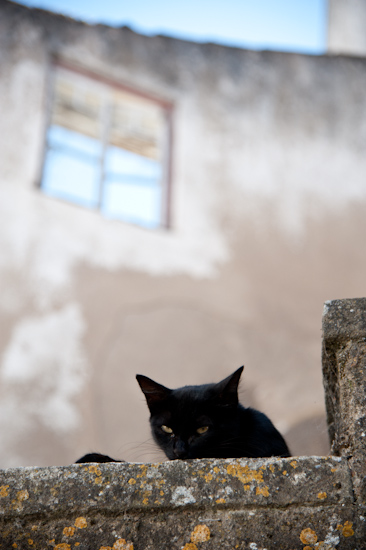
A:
(205, 504)
(344, 375)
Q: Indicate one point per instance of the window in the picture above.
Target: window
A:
(108, 148)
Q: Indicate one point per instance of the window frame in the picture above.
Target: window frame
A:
(165, 105)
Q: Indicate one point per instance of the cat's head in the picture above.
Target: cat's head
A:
(192, 421)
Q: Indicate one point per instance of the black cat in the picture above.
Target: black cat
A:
(208, 421)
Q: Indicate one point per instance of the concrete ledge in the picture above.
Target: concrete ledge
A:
(266, 503)
(120, 487)
(344, 319)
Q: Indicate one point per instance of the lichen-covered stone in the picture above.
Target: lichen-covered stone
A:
(179, 504)
(344, 374)
(213, 484)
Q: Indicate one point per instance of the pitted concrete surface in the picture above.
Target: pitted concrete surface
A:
(246, 503)
(176, 485)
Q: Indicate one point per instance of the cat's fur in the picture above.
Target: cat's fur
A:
(228, 430)
(96, 457)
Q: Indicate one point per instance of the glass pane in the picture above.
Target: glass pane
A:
(136, 201)
(61, 138)
(119, 161)
(137, 125)
(77, 105)
(72, 179)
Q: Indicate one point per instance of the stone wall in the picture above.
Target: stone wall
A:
(255, 504)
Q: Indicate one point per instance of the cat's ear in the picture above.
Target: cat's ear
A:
(227, 389)
(155, 393)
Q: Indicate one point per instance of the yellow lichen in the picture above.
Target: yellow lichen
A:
(244, 473)
(21, 496)
(308, 548)
(81, 523)
(105, 548)
(220, 501)
(4, 490)
(293, 464)
(62, 546)
(322, 496)
(308, 536)
(69, 531)
(347, 530)
(262, 491)
(161, 493)
(145, 496)
(15, 545)
(246, 487)
(121, 544)
(143, 471)
(200, 533)
(34, 527)
(272, 468)
(208, 477)
(94, 470)
(216, 470)
(30, 542)
(98, 480)
(189, 546)
(284, 472)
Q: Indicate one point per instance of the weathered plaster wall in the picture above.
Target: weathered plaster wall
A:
(268, 222)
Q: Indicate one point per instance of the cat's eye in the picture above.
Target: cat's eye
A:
(202, 430)
(166, 429)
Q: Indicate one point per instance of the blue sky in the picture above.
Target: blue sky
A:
(291, 25)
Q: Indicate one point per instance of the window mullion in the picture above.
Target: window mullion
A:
(105, 121)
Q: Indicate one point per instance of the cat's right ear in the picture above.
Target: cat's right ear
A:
(227, 389)
(154, 393)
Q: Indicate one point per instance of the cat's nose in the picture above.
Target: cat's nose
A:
(180, 450)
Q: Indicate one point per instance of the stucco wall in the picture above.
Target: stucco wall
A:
(268, 196)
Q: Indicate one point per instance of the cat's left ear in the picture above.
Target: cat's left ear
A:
(155, 393)
(227, 389)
